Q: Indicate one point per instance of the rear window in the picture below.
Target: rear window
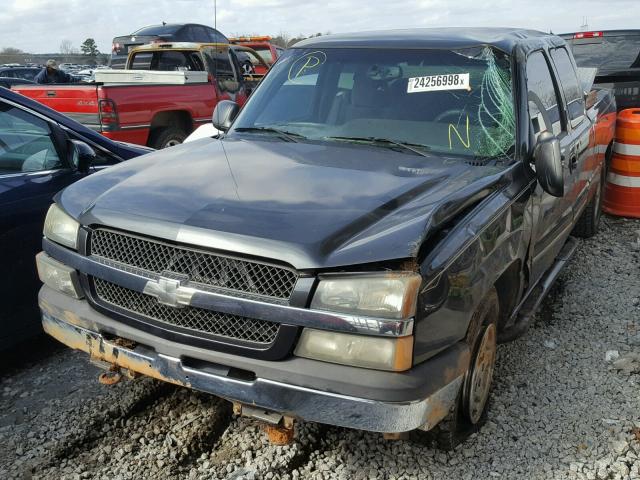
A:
(158, 30)
(142, 61)
(610, 54)
(168, 61)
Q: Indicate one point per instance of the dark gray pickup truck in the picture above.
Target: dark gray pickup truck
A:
(384, 209)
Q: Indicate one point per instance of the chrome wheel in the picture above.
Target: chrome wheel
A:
(481, 374)
(172, 143)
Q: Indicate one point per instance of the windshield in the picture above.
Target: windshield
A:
(459, 102)
(610, 54)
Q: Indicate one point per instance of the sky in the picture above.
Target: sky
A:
(39, 26)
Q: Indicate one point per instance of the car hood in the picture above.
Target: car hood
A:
(312, 205)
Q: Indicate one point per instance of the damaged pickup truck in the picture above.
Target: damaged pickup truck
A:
(385, 208)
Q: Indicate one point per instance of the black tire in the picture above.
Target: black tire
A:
(167, 137)
(589, 222)
(463, 420)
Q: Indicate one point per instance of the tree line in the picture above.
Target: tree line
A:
(87, 53)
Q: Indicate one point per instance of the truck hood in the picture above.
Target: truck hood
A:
(312, 205)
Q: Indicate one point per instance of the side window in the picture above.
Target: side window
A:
(216, 37)
(219, 63)
(26, 142)
(544, 110)
(573, 94)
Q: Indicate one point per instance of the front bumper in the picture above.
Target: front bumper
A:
(305, 389)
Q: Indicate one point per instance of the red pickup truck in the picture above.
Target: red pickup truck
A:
(159, 99)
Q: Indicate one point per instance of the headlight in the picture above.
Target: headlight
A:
(382, 353)
(385, 295)
(61, 228)
(58, 276)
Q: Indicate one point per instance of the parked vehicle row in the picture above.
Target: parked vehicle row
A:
(384, 209)
(165, 92)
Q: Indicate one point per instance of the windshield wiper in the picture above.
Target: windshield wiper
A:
(388, 141)
(290, 136)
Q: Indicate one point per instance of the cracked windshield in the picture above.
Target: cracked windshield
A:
(447, 101)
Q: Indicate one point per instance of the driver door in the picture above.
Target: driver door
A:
(553, 216)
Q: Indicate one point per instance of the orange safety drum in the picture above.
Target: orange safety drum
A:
(622, 191)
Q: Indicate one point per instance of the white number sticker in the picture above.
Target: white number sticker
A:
(433, 83)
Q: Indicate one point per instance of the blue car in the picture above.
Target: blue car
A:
(41, 152)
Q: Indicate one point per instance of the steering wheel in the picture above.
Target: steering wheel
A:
(458, 113)
(248, 68)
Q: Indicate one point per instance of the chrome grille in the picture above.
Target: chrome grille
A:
(192, 318)
(204, 268)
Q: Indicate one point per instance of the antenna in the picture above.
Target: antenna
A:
(215, 49)
(585, 25)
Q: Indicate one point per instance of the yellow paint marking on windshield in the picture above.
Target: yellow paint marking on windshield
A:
(467, 144)
(306, 62)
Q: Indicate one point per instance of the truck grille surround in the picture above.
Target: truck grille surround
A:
(205, 270)
(192, 318)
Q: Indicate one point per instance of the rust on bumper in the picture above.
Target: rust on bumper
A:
(99, 349)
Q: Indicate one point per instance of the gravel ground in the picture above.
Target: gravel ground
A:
(566, 405)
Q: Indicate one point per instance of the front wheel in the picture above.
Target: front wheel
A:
(469, 411)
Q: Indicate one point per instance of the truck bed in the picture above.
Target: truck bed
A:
(137, 105)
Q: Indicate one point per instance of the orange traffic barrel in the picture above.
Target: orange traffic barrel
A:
(622, 191)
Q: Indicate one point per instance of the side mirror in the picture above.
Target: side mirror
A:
(548, 162)
(82, 155)
(224, 114)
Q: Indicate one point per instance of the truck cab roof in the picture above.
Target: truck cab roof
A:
(504, 39)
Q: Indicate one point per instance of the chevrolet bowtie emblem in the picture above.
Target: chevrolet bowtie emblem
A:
(169, 291)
